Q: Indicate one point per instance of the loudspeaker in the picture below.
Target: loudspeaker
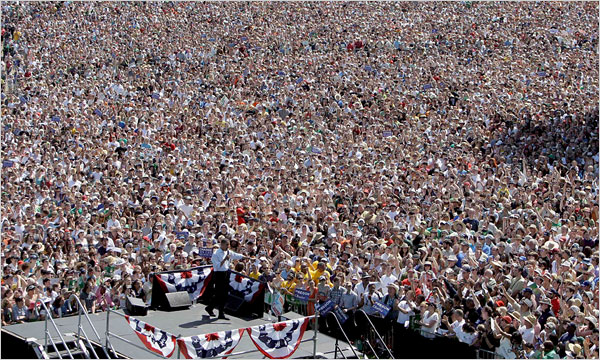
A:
(234, 303)
(178, 300)
(136, 306)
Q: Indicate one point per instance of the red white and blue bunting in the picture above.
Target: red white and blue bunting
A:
(280, 340)
(244, 287)
(193, 281)
(210, 345)
(275, 341)
(156, 340)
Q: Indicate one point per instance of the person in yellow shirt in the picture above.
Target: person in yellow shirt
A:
(289, 285)
(254, 273)
(321, 270)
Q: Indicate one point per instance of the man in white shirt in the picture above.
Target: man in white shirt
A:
(456, 326)
(387, 277)
(221, 261)
(361, 288)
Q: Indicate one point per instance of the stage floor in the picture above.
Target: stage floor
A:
(193, 321)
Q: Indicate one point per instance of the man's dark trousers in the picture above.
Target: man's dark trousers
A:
(221, 291)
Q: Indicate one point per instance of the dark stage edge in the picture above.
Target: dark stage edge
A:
(192, 321)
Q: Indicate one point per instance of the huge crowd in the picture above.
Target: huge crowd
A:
(440, 157)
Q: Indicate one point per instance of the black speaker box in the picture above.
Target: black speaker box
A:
(136, 306)
(234, 303)
(178, 300)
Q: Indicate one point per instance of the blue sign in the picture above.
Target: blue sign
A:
(98, 112)
(7, 163)
(301, 294)
(55, 118)
(542, 73)
(300, 79)
(340, 315)
(387, 134)
(325, 307)
(381, 308)
(146, 146)
(316, 150)
(205, 252)
(121, 124)
(427, 86)
(155, 95)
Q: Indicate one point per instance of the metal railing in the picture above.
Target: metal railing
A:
(83, 310)
(47, 332)
(486, 354)
(376, 333)
(108, 345)
(345, 337)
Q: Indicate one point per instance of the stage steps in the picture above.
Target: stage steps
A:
(75, 346)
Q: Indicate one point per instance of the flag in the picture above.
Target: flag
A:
(210, 345)
(245, 287)
(280, 340)
(156, 340)
(194, 281)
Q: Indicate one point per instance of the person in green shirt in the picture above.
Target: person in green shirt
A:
(546, 351)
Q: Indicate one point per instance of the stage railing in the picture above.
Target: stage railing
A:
(109, 346)
(337, 347)
(83, 310)
(374, 330)
(47, 332)
(108, 334)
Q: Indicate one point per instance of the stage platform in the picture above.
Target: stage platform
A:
(192, 321)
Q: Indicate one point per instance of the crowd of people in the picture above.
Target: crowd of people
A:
(441, 158)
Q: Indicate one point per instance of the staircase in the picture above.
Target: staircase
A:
(68, 345)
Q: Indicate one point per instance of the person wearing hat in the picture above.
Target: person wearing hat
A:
(573, 350)
(392, 299)
(587, 327)
(527, 329)
(546, 311)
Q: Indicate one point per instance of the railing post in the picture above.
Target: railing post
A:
(178, 348)
(79, 322)
(336, 347)
(45, 334)
(106, 332)
(315, 333)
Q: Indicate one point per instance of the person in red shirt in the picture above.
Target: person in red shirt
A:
(241, 214)
(555, 301)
